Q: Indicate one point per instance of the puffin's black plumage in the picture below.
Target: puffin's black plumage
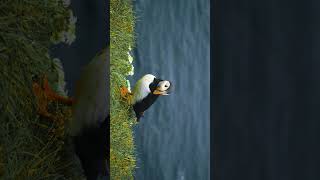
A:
(140, 106)
(92, 147)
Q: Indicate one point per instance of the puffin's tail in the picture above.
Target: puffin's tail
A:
(92, 147)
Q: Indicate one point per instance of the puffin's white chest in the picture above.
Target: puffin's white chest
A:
(142, 89)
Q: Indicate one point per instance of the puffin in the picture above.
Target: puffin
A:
(90, 126)
(146, 91)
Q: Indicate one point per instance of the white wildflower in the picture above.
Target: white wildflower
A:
(61, 84)
(67, 36)
(72, 19)
(130, 58)
(131, 72)
(70, 35)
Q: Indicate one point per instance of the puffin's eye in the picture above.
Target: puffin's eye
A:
(165, 85)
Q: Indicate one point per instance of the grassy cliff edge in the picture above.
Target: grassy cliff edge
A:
(33, 147)
(122, 157)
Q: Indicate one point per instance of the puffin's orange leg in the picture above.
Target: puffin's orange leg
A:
(125, 94)
(42, 101)
(44, 94)
(53, 96)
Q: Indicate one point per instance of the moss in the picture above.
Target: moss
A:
(32, 147)
(122, 157)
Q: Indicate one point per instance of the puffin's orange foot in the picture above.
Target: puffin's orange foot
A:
(53, 96)
(125, 94)
(44, 95)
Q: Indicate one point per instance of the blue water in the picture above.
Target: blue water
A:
(172, 139)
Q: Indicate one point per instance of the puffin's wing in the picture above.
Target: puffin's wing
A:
(91, 105)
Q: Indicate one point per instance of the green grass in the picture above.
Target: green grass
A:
(32, 147)
(122, 156)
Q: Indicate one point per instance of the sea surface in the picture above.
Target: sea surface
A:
(173, 43)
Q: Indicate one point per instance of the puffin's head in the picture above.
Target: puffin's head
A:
(158, 86)
(163, 87)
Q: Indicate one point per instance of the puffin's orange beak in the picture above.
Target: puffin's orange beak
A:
(161, 93)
